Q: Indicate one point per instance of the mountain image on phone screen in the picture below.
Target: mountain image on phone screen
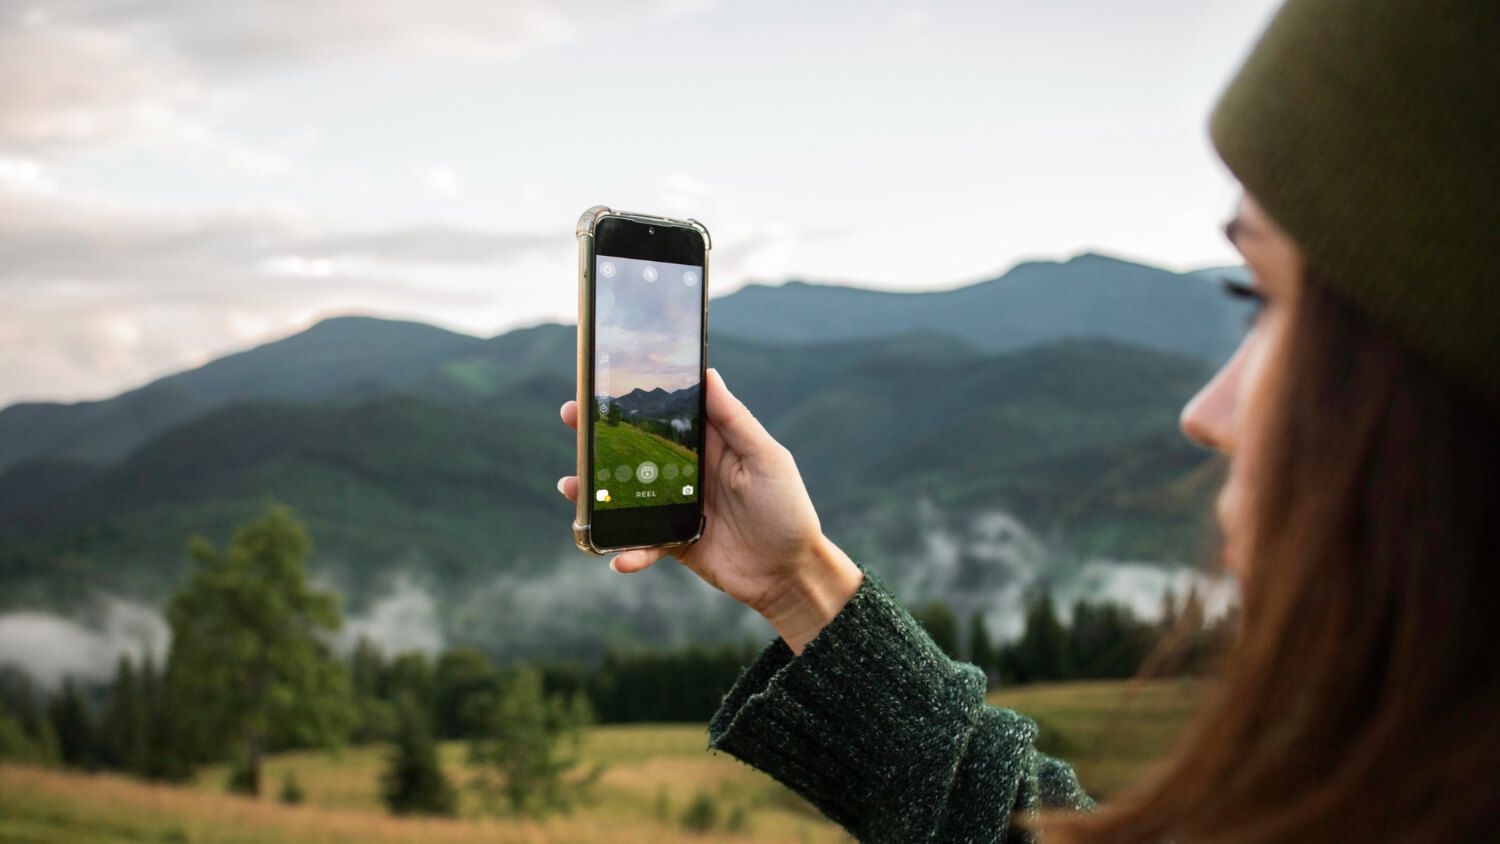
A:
(647, 343)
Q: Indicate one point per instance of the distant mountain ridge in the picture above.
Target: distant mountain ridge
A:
(1090, 296)
(350, 358)
(657, 403)
(341, 357)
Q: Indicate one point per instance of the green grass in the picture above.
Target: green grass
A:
(1109, 732)
(626, 445)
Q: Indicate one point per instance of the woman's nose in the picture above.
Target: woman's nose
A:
(1208, 418)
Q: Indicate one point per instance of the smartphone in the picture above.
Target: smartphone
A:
(642, 355)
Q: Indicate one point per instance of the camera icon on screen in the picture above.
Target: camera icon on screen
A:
(687, 489)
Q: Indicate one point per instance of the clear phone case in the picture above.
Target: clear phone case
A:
(582, 535)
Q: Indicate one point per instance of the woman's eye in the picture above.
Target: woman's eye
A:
(1246, 292)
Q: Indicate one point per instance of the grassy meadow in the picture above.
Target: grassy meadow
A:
(626, 445)
(1110, 731)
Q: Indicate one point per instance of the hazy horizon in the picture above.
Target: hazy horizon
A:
(793, 279)
(177, 183)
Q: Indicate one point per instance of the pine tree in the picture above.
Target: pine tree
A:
(77, 734)
(981, 648)
(413, 781)
(1042, 652)
(938, 619)
(125, 728)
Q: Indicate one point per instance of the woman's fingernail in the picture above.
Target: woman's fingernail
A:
(560, 482)
(612, 563)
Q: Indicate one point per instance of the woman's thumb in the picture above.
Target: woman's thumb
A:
(633, 561)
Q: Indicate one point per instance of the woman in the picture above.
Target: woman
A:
(1361, 700)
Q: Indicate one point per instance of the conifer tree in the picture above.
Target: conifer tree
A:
(1042, 652)
(126, 726)
(77, 734)
(941, 624)
(981, 647)
(413, 781)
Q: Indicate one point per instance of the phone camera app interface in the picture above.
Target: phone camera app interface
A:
(647, 336)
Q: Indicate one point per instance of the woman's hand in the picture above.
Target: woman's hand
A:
(762, 544)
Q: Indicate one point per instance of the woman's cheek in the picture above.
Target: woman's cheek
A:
(1253, 410)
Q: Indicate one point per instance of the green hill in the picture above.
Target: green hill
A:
(467, 491)
(419, 453)
(628, 446)
(1078, 439)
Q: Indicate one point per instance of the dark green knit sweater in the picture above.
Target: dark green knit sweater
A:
(886, 735)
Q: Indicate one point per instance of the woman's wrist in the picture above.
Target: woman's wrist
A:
(823, 584)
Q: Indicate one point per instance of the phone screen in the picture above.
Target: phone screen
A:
(647, 409)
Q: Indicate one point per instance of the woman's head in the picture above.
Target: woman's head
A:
(1360, 416)
(1359, 700)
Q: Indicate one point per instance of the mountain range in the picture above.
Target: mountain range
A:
(1048, 395)
(657, 403)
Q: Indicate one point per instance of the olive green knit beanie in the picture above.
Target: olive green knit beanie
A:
(1368, 130)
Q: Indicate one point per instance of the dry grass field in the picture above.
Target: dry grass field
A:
(654, 772)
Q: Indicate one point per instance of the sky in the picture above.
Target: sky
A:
(180, 180)
(647, 324)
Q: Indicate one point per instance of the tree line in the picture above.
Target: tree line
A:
(252, 671)
(1101, 640)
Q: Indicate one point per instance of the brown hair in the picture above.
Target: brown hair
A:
(1361, 699)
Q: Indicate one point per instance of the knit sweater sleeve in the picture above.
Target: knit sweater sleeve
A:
(887, 736)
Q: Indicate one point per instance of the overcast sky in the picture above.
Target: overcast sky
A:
(647, 338)
(182, 179)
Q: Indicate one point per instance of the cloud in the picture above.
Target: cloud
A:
(100, 72)
(433, 244)
(45, 238)
(1142, 586)
(439, 180)
(991, 562)
(99, 296)
(25, 175)
(89, 72)
(577, 608)
(405, 619)
(50, 647)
